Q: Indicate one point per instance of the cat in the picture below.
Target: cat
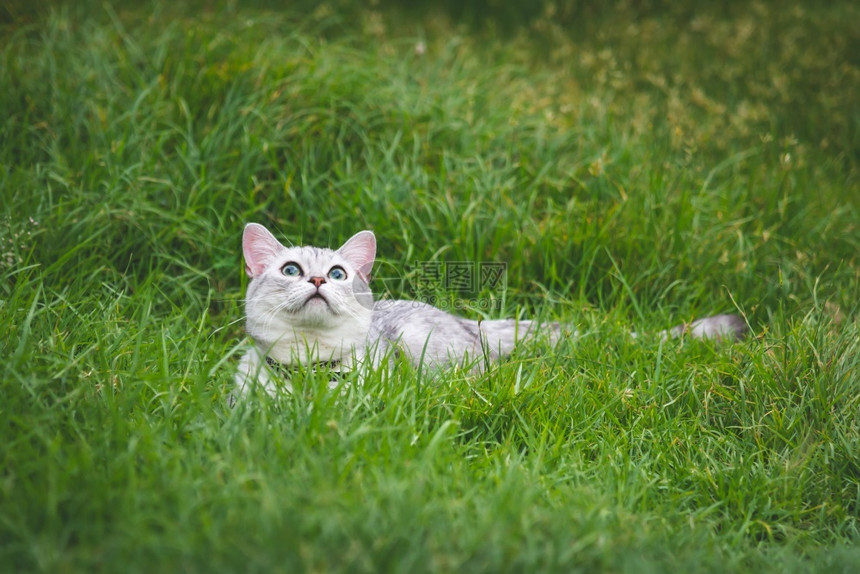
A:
(311, 307)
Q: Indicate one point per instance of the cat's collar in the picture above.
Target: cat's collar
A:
(287, 371)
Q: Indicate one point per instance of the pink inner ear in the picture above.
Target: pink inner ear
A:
(360, 251)
(260, 248)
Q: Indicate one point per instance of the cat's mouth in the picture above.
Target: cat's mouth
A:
(316, 296)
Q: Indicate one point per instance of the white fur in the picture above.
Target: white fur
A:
(282, 317)
(290, 325)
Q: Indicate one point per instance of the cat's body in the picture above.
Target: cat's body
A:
(309, 306)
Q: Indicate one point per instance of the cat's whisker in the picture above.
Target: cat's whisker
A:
(270, 317)
(230, 324)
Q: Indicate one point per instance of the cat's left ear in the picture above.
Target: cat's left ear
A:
(360, 251)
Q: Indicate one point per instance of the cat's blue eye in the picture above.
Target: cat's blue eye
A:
(337, 274)
(291, 270)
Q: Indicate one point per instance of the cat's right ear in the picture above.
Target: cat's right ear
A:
(260, 248)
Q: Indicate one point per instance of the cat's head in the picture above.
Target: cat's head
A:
(307, 287)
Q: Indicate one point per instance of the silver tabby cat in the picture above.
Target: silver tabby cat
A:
(312, 306)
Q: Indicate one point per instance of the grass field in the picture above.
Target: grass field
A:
(633, 167)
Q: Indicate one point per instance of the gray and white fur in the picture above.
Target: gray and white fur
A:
(310, 305)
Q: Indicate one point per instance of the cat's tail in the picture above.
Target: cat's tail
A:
(502, 335)
(719, 327)
(499, 337)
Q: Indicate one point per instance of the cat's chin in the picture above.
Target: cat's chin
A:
(317, 305)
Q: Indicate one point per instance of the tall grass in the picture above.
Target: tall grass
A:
(634, 169)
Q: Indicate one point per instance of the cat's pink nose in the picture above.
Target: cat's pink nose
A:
(317, 281)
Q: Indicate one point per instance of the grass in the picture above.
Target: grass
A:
(633, 168)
